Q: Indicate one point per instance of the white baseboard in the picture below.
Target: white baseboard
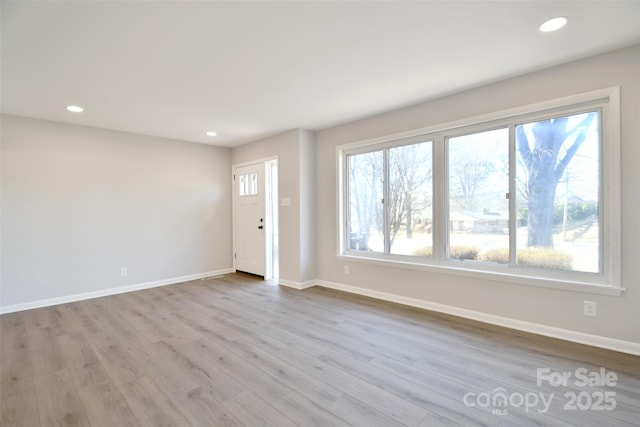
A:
(111, 291)
(549, 331)
(297, 285)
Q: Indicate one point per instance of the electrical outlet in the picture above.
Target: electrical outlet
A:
(590, 309)
(123, 272)
(346, 269)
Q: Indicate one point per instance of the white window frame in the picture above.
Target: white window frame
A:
(608, 281)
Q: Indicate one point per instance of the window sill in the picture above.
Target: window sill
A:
(519, 278)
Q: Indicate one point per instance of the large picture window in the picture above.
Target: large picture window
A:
(529, 195)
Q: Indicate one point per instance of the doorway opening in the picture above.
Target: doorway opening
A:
(255, 218)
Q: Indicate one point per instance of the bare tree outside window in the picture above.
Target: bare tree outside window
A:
(365, 199)
(407, 209)
(410, 200)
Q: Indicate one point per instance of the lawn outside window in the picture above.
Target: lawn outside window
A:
(530, 195)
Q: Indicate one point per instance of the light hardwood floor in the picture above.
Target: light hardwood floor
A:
(236, 351)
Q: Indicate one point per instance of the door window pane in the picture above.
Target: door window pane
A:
(558, 179)
(410, 199)
(365, 220)
(248, 184)
(478, 207)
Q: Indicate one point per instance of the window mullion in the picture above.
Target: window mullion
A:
(440, 206)
(346, 200)
(385, 201)
(513, 214)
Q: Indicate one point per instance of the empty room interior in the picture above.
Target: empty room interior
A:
(319, 213)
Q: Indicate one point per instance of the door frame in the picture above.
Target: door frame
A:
(271, 194)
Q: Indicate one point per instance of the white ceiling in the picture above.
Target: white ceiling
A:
(177, 69)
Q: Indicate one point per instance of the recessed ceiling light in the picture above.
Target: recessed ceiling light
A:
(75, 109)
(553, 24)
(211, 133)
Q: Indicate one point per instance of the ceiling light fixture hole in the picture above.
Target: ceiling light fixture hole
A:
(553, 24)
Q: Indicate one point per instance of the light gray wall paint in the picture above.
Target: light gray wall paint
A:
(308, 211)
(78, 203)
(618, 317)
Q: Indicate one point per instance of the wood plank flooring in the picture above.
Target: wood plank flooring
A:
(236, 351)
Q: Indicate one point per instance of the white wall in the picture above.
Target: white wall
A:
(618, 317)
(79, 203)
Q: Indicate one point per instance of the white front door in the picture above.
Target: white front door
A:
(249, 220)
